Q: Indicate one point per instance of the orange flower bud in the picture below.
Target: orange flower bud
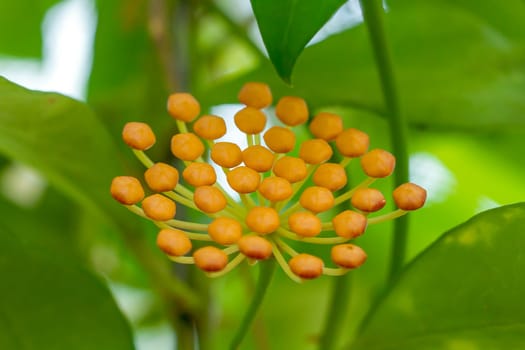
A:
(291, 168)
(209, 199)
(225, 231)
(186, 146)
(275, 188)
(306, 266)
(279, 139)
(173, 242)
(292, 110)
(183, 106)
(378, 163)
(243, 179)
(255, 247)
(226, 154)
(199, 174)
(210, 127)
(368, 200)
(161, 177)
(409, 196)
(317, 199)
(256, 95)
(315, 151)
(331, 176)
(352, 143)
(250, 120)
(159, 208)
(258, 158)
(305, 224)
(262, 220)
(126, 190)
(138, 136)
(210, 259)
(326, 126)
(348, 256)
(349, 224)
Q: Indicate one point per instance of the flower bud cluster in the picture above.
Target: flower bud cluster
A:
(278, 203)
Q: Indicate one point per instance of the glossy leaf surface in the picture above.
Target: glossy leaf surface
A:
(61, 138)
(50, 302)
(465, 291)
(287, 26)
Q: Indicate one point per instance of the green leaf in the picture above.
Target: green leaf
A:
(61, 138)
(20, 23)
(127, 82)
(47, 301)
(287, 26)
(467, 74)
(464, 292)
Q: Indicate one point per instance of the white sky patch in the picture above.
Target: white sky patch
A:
(233, 134)
(136, 304)
(349, 15)
(486, 203)
(68, 32)
(22, 185)
(430, 173)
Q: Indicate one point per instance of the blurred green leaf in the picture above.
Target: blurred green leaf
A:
(20, 25)
(50, 302)
(465, 291)
(127, 82)
(61, 138)
(54, 215)
(287, 26)
(458, 64)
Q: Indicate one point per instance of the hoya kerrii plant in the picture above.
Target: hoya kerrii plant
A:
(279, 222)
(276, 204)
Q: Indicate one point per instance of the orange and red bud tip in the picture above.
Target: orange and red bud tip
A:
(348, 256)
(349, 224)
(409, 196)
(306, 266)
(368, 200)
(255, 247)
(210, 259)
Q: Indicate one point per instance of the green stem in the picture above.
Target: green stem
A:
(373, 16)
(267, 268)
(335, 317)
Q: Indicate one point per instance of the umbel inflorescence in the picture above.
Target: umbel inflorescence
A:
(281, 194)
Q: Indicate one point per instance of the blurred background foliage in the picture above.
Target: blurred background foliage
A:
(460, 69)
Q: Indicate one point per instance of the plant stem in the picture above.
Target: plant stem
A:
(267, 269)
(373, 16)
(334, 319)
